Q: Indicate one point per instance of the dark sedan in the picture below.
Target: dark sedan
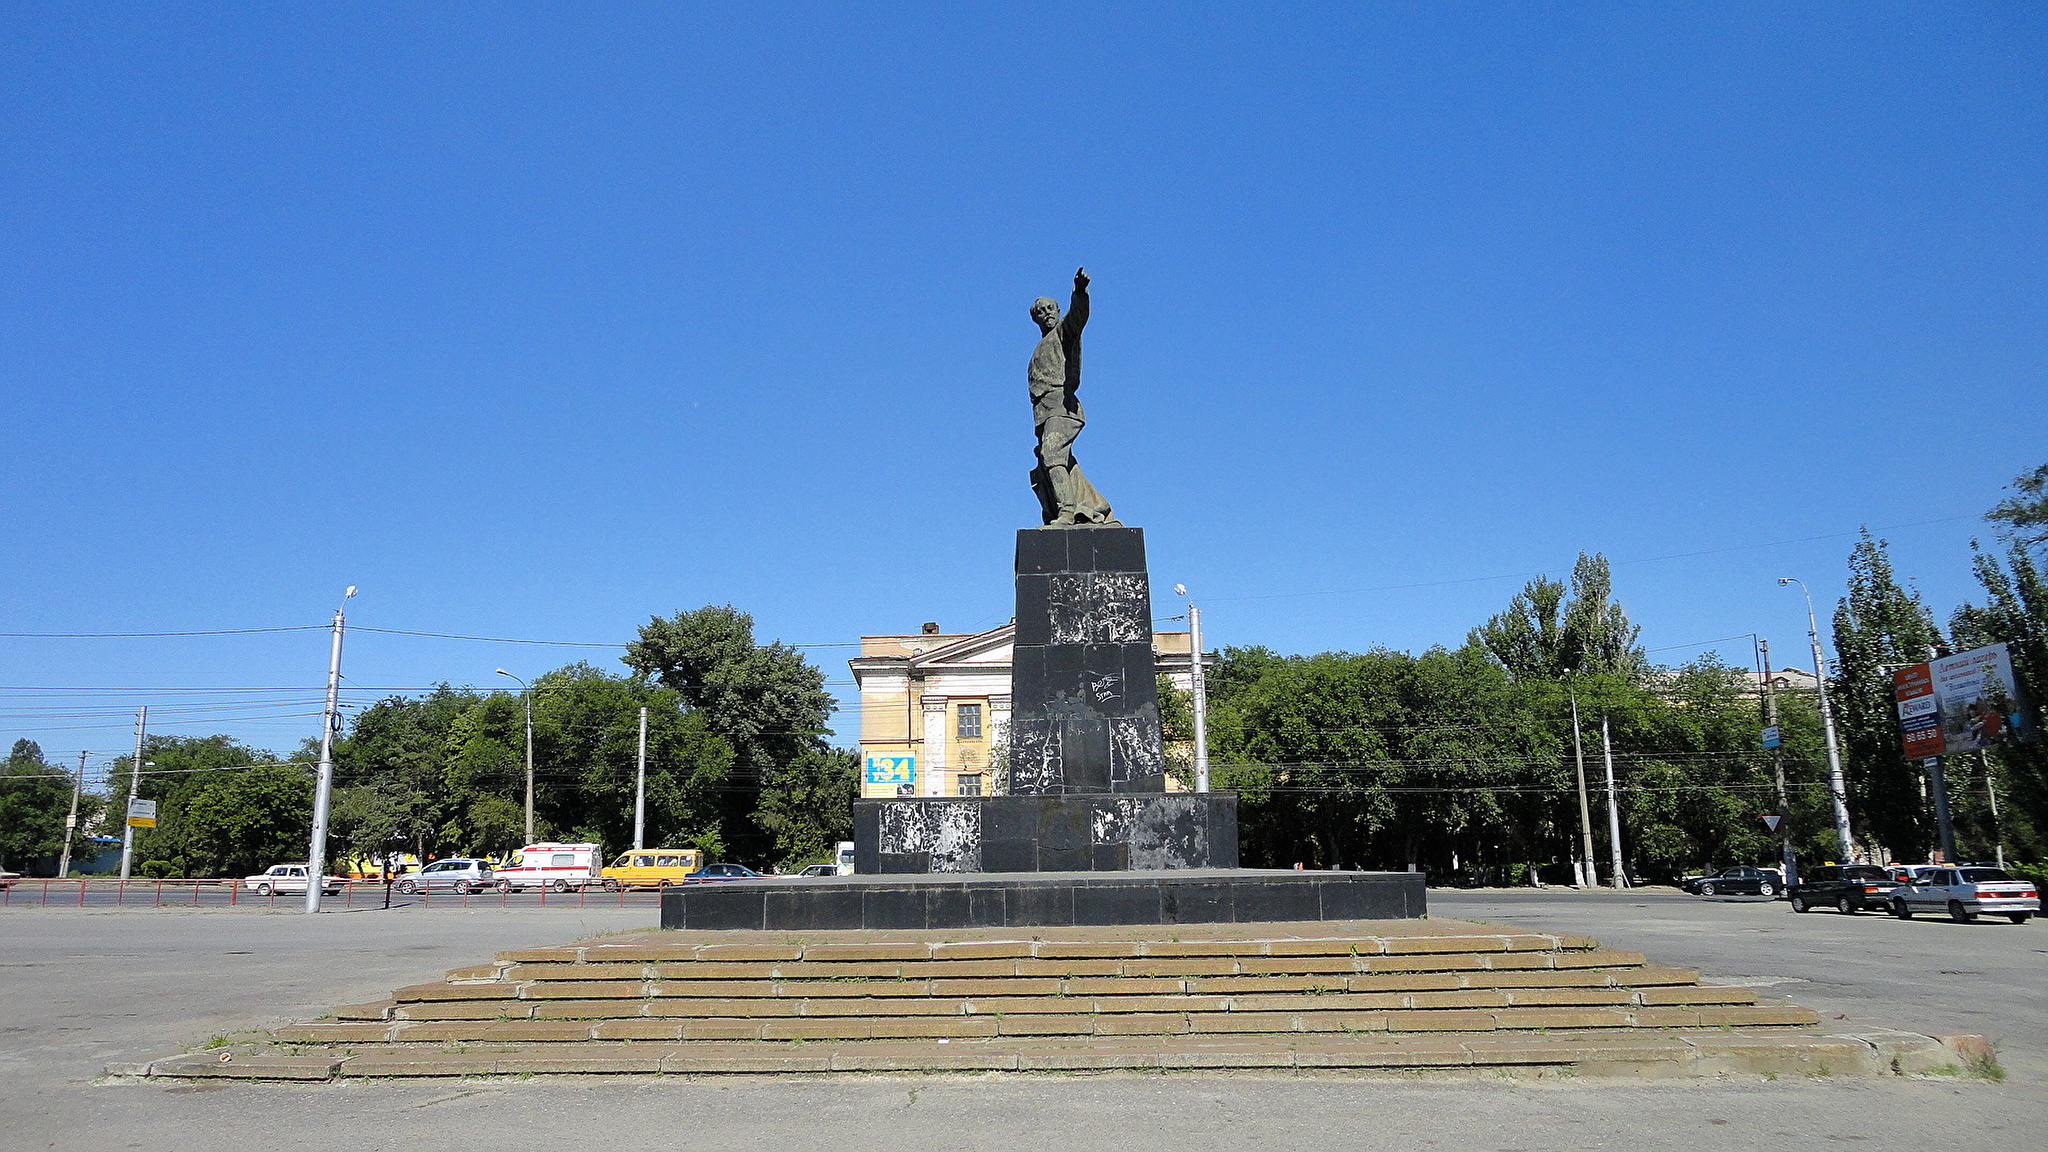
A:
(1741, 880)
(721, 872)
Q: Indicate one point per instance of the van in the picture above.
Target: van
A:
(652, 868)
(555, 867)
(842, 858)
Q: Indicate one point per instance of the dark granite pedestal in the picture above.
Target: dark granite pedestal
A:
(1084, 696)
(1187, 896)
(1102, 832)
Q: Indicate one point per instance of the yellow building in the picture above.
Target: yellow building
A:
(935, 706)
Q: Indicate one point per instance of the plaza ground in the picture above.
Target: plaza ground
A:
(84, 988)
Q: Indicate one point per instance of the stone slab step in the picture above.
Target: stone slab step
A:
(724, 1008)
(1309, 938)
(1072, 1022)
(1584, 1053)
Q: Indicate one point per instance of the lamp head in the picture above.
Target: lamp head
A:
(1180, 589)
(1784, 580)
(501, 672)
(350, 594)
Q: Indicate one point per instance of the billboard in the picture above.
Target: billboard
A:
(1958, 703)
(892, 770)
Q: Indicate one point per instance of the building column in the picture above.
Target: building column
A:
(934, 745)
(998, 740)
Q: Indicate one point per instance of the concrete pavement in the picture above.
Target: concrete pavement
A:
(81, 989)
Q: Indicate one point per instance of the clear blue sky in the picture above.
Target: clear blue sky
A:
(534, 320)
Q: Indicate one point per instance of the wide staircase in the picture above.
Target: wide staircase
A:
(1366, 995)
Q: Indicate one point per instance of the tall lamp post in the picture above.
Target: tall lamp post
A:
(1200, 692)
(526, 691)
(323, 782)
(1837, 788)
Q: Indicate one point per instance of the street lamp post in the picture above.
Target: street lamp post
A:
(1199, 691)
(526, 691)
(1837, 787)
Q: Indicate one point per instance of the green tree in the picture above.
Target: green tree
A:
(1544, 635)
(811, 807)
(2025, 516)
(34, 798)
(236, 823)
(191, 779)
(2016, 614)
(1879, 627)
(765, 701)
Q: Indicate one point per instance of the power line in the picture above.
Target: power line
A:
(155, 635)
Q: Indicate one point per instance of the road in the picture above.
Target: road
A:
(82, 987)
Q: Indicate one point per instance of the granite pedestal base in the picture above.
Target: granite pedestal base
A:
(1048, 833)
(1193, 896)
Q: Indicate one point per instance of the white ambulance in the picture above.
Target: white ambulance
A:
(555, 867)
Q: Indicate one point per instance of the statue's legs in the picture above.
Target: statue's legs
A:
(1064, 495)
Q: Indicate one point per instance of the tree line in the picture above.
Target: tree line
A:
(738, 765)
(1461, 761)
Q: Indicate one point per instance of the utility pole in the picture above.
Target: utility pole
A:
(78, 786)
(1590, 876)
(1942, 823)
(134, 782)
(323, 784)
(1770, 690)
(1991, 796)
(640, 788)
(1620, 878)
(1838, 788)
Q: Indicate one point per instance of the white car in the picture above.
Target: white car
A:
(1966, 892)
(289, 878)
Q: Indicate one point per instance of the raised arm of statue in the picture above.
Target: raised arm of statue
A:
(1077, 308)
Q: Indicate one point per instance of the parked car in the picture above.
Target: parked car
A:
(289, 878)
(1966, 892)
(820, 870)
(1737, 881)
(1847, 888)
(652, 868)
(723, 872)
(1910, 873)
(454, 874)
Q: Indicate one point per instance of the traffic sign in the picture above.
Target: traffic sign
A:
(1773, 738)
(1771, 820)
(141, 813)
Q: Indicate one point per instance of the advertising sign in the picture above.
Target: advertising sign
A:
(141, 813)
(1958, 703)
(1773, 738)
(892, 770)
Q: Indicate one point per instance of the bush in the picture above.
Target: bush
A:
(157, 869)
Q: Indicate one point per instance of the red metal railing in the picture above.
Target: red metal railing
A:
(83, 892)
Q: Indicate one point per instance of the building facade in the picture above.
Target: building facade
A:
(935, 708)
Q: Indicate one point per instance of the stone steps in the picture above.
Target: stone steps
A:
(1358, 995)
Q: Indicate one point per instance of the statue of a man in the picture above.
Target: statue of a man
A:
(1064, 495)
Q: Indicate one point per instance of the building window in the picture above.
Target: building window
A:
(970, 785)
(969, 722)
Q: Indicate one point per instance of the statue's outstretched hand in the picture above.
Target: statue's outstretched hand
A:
(1080, 278)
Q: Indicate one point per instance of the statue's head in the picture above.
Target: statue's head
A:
(1046, 311)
